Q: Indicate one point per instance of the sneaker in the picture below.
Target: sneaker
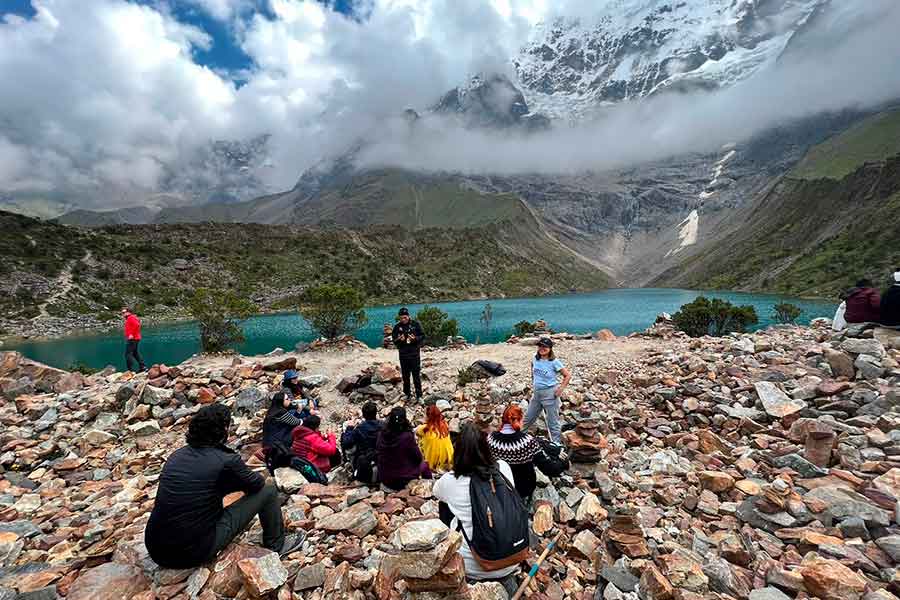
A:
(292, 543)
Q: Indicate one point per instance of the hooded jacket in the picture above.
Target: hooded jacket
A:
(309, 444)
(132, 327)
(890, 306)
(862, 305)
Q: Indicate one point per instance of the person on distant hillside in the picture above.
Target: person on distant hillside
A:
(863, 303)
(890, 304)
(472, 458)
(132, 339)
(280, 421)
(547, 389)
(361, 439)
(188, 525)
(434, 440)
(296, 392)
(409, 337)
(517, 449)
(397, 454)
(318, 448)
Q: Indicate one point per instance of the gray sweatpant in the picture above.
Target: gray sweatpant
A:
(544, 399)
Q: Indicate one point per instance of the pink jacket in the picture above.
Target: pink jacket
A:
(310, 444)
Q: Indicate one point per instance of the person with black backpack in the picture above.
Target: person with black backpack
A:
(360, 439)
(479, 499)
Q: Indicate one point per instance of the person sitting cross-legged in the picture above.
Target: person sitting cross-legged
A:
(434, 440)
(189, 525)
(360, 439)
(398, 456)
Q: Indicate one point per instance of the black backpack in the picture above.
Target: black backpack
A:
(493, 368)
(310, 472)
(500, 533)
(550, 460)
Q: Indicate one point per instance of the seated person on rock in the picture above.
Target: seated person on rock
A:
(890, 304)
(280, 421)
(296, 391)
(434, 440)
(472, 458)
(516, 448)
(398, 456)
(318, 448)
(360, 438)
(863, 303)
(188, 525)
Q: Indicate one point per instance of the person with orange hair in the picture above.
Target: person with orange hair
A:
(517, 449)
(434, 440)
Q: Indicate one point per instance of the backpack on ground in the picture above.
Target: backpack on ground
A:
(500, 533)
(279, 455)
(364, 466)
(551, 460)
(494, 369)
(310, 472)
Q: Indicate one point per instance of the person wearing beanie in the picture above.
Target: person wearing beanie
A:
(409, 338)
(890, 303)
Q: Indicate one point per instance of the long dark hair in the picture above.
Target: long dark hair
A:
(277, 408)
(397, 422)
(209, 427)
(550, 355)
(472, 455)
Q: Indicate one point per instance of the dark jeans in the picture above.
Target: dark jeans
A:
(132, 354)
(239, 515)
(411, 365)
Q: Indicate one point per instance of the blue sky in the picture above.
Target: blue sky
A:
(225, 55)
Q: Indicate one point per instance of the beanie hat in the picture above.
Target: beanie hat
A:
(403, 312)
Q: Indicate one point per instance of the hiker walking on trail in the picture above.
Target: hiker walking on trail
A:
(188, 525)
(132, 339)
(409, 337)
(545, 368)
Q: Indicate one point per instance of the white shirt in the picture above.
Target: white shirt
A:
(455, 492)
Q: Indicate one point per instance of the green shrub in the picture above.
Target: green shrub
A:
(436, 325)
(713, 317)
(466, 375)
(785, 312)
(219, 314)
(82, 368)
(523, 328)
(333, 310)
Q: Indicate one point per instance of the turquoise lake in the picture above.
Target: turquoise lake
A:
(621, 310)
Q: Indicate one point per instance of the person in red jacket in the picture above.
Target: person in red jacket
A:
(132, 339)
(863, 303)
(309, 443)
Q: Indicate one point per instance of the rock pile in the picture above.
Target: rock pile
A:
(756, 467)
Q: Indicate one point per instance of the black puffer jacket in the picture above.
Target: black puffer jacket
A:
(408, 349)
(181, 532)
(890, 306)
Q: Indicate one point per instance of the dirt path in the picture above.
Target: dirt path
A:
(62, 285)
(440, 367)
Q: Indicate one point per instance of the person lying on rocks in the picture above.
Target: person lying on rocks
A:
(318, 448)
(189, 526)
(434, 440)
(296, 391)
(545, 368)
(360, 438)
(280, 421)
(397, 453)
(516, 448)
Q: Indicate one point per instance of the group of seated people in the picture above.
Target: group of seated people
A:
(864, 304)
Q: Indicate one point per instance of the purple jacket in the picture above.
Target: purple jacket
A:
(399, 459)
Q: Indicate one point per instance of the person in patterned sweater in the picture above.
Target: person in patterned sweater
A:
(516, 448)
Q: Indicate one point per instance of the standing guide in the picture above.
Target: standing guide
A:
(409, 338)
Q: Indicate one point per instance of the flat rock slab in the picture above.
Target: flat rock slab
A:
(775, 402)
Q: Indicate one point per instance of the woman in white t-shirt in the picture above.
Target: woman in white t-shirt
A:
(471, 455)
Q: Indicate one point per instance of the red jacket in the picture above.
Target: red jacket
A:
(309, 444)
(863, 305)
(132, 327)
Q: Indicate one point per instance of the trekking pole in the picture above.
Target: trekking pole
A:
(535, 567)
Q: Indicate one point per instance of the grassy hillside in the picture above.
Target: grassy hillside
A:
(156, 266)
(872, 140)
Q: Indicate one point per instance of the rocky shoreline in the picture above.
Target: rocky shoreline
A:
(761, 466)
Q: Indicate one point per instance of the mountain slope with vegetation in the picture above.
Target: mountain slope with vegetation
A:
(156, 267)
(831, 221)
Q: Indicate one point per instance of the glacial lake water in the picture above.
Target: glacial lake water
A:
(621, 310)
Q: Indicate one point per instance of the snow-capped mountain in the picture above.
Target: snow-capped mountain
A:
(643, 47)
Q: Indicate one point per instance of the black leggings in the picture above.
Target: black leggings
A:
(132, 354)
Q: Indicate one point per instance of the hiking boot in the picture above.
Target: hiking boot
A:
(292, 543)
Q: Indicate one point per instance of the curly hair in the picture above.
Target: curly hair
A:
(511, 414)
(209, 426)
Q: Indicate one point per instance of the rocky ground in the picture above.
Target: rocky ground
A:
(762, 466)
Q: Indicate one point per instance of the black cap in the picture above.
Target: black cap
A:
(403, 311)
(545, 342)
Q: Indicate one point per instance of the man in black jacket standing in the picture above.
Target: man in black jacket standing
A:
(409, 337)
(188, 526)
